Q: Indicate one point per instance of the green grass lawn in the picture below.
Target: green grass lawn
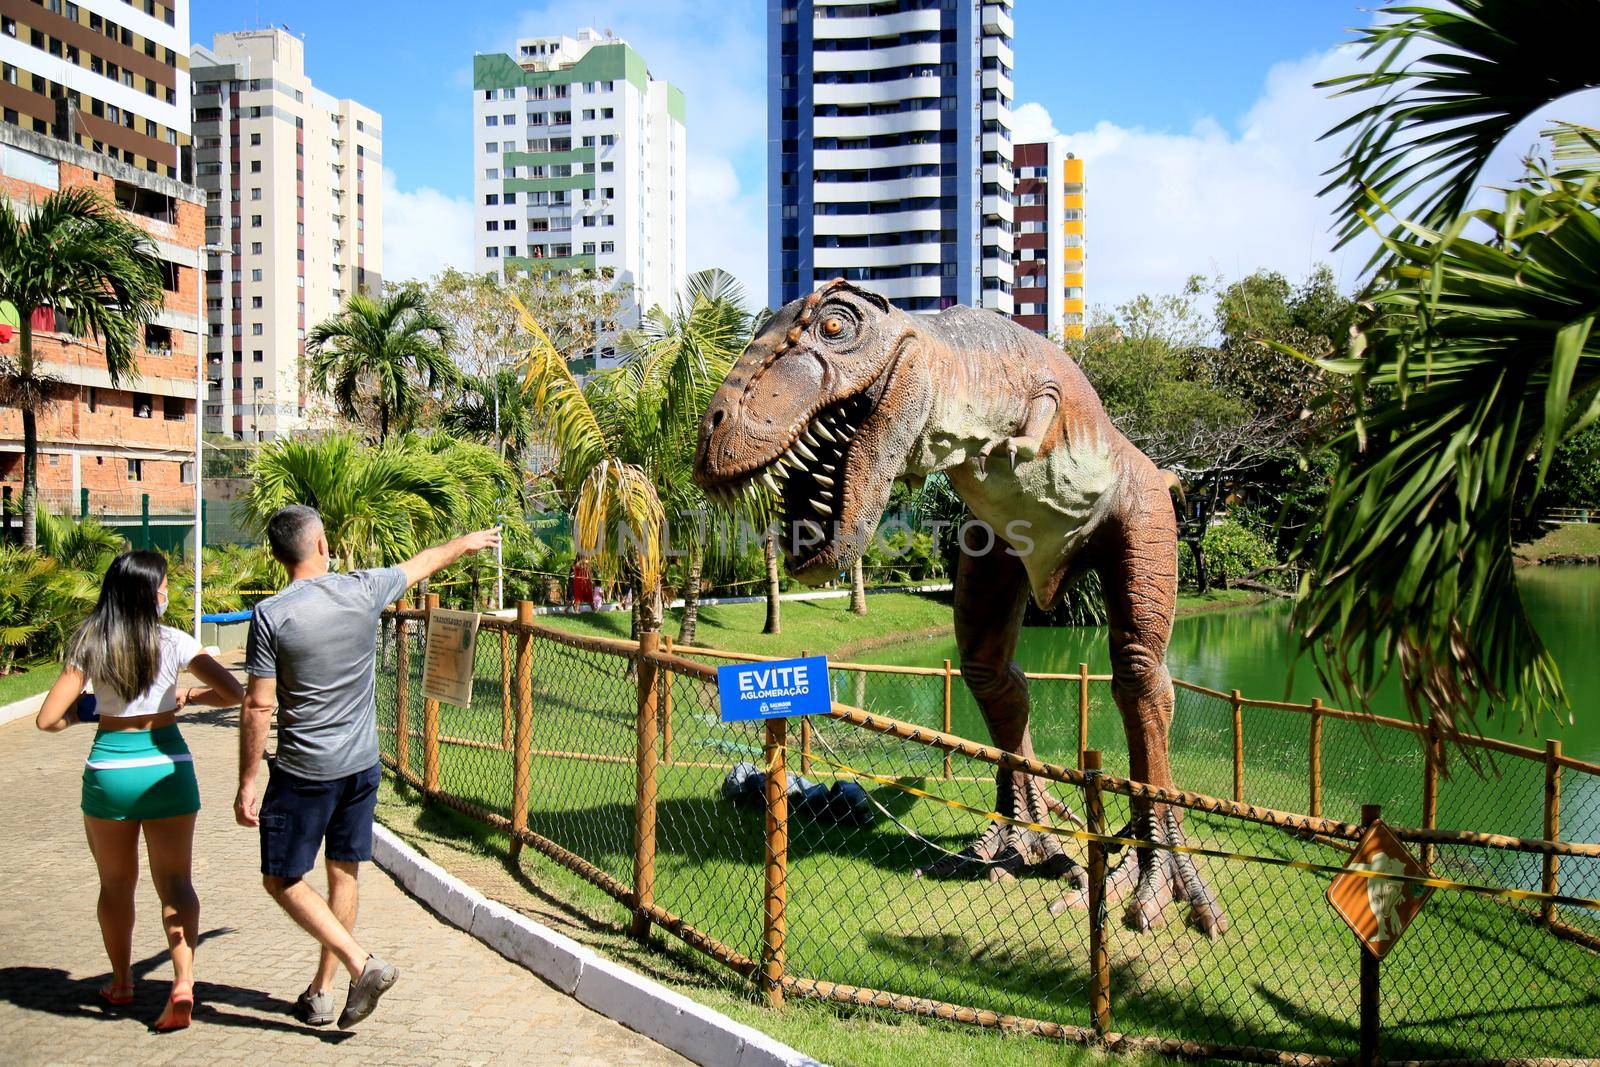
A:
(27, 683)
(1284, 975)
(1569, 539)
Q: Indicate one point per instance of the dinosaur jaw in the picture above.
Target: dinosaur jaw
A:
(821, 484)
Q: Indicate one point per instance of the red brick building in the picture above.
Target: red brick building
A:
(136, 438)
(1048, 239)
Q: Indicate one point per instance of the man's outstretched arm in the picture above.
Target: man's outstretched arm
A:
(430, 561)
(260, 701)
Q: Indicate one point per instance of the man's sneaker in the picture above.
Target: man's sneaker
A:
(376, 979)
(314, 1009)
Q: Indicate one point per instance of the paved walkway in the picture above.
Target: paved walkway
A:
(457, 1002)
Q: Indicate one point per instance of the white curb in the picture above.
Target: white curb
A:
(699, 1033)
(21, 709)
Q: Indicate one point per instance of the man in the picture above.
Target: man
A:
(311, 654)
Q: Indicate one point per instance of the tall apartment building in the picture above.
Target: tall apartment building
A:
(1049, 240)
(119, 449)
(579, 163)
(110, 76)
(889, 158)
(293, 183)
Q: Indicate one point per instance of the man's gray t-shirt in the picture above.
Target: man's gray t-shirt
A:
(318, 638)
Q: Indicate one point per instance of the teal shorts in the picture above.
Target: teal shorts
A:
(140, 774)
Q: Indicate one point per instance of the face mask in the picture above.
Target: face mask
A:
(161, 603)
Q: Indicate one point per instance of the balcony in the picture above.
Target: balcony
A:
(996, 19)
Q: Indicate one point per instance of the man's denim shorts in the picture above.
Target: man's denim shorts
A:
(299, 814)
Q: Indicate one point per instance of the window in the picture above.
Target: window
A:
(588, 220)
(607, 140)
(492, 225)
(257, 356)
(186, 472)
(587, 142)
(136, 468)
(588, 248)
(255, 139)
(172, 409)
(606, 87)
(257, 384)
(491, 173)
(511, 198)
(607, 113)
(588, 114)
(511, 224)
(255, 302)
(255, 194)
(255, 166)
(255, 221)
(142, 407)
(491, 120)
(491, 199)
(608, 192)
(492, 252)
(491, 146)
(255, 248)
(607, 168)
(608, 220)
(255, 274)
(256, 329)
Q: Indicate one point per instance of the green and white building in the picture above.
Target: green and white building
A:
(579, 162)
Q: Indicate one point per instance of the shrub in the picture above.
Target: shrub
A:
(1232, 550)
(41, 603)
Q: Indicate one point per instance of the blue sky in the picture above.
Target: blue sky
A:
(1197, 120)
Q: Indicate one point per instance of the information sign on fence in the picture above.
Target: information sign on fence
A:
(1379, 909)
(447, 665)
(775, 689)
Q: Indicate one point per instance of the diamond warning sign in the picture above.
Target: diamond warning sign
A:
(1379, 908)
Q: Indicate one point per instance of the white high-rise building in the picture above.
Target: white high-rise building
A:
(579, 164)
(889, 159)
(293, 181)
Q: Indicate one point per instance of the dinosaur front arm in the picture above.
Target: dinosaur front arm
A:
(1043, 404)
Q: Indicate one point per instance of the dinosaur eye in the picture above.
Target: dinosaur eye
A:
(832, 326)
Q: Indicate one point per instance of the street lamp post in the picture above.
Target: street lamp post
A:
(201, 334)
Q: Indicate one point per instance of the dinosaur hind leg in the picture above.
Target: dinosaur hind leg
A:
(991, 593)
(1139, 573)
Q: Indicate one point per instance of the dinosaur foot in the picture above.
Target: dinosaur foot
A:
(1005, 851)
(1150, 879)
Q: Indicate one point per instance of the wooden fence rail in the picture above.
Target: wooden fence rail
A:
(657, 664)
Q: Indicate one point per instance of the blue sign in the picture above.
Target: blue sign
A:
(774, 689)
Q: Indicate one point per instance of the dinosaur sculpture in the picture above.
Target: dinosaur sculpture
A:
(840, 394)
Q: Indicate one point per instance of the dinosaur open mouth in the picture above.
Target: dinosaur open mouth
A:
(808, 480)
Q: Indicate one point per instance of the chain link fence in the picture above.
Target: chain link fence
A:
(806, 855)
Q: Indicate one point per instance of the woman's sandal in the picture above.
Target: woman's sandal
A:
(118, 996)
(179, 1009)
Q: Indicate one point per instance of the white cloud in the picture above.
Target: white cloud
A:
(1164, 205)
(424, 231)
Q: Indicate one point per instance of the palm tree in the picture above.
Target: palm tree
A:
(382, 503)
(1477, 352)
(84, 545)
(474, 412)
(74, 255)
(625, 443)
(381, 351)
(769, 556)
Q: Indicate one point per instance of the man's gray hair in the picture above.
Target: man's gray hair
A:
(292, 533)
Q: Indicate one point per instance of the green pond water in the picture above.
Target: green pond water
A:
(1250, 649)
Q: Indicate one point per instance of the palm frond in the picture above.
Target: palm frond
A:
(1450, 84)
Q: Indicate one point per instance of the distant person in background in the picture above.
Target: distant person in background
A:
(310, 656)
(582, 584)
(139, 777)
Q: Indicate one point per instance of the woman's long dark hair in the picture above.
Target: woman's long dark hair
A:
(119, 644)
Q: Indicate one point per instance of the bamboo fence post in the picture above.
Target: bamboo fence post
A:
(775, 901)
(1316, 756)
(522, 757)
(430, 722)
(666, 706)
(1552, 822)
(1370, 995)
(1238, 748)
(948, 678)
(506, 714)
(1099, 959)
(644, 835)
(1083, 711)
(402, 691)
(1430, 785)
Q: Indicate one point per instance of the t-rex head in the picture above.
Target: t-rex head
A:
(823, 408)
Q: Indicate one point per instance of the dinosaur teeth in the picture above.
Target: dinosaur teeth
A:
(800, 447)
(819, 507)
(823, 432)
(768, 480)
(823, 479)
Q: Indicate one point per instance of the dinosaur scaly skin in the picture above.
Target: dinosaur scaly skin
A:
(841, 394)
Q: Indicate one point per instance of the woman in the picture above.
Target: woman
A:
(140, 775)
